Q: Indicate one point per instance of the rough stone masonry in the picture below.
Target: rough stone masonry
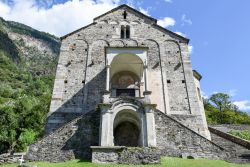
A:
(125, 82)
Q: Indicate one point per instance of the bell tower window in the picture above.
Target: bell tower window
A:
(122, 32)
(125, 31)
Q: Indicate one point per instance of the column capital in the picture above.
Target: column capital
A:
(149, 107)
(104, 107)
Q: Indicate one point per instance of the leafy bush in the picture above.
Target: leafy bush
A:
(244, 134)
(27, 137)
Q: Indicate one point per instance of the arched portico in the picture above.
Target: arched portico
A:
(126, 72)
(119, 116)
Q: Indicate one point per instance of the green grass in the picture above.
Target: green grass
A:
(166, 162)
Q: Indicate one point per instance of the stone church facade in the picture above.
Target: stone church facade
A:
(125, 81)
(124, 53)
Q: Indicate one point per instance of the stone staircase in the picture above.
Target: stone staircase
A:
(68, 141)
(243, 157)
(232, 143)
(73, 140)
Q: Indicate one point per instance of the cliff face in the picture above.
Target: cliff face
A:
(32, 50)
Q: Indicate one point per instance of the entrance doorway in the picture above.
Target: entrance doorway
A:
(127, 129)
(126, 134)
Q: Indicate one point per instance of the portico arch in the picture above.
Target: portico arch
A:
(123, 114)
(127, 129)
(126, 75)
(128, 66)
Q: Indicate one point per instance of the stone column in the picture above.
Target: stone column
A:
(146, 77)
(146, 93)
(150, 125)
(107, 78)
(106, 137)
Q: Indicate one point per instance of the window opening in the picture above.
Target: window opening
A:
(122, 32)
(124, 15)
(127, 31)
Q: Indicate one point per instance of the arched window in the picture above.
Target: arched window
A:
(125, 31)
(122, 32)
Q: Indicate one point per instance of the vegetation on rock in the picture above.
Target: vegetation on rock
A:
(26, 75)
(244, 134)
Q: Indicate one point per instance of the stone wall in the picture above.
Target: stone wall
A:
(229, 141)
(72, 140)
(194, 122)
(227, 127)
(239, 148)
(173, 67)
(126, 155)
(175, 139)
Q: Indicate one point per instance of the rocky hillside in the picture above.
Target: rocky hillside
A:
(28, 60)
(32, 50)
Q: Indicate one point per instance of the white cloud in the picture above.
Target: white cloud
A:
(168, 1)
(190, 49)
(4, 8)
(146, 12)
(243, 105)
(166, 22)
(204, 95)
(60, 19)
(232, 92)
(185, 20)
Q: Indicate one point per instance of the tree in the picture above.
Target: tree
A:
(8, 124)
(221, 101)
(220, 110)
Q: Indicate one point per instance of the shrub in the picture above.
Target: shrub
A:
(244, 134)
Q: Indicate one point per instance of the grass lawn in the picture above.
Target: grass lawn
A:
(166, 162)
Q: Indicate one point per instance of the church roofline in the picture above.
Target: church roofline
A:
(121, 6)
(171, 32)
(65, 36)
(124, 5)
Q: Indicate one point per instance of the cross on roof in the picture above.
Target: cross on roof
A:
(124, 14)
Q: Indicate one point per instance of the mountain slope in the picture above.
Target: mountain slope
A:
(33, 50)
(27, 68)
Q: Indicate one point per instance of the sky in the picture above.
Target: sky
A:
(219, 32)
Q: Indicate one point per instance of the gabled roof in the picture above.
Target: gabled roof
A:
(65, 36)
(128, 7)
(134, 10)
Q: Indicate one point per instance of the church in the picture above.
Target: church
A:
(122, 83)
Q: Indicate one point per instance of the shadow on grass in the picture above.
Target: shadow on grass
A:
(84, 160)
